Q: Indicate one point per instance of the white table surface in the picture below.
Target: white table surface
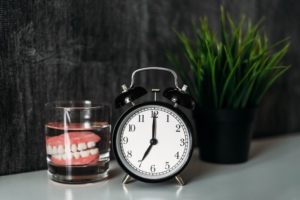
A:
(272, 173)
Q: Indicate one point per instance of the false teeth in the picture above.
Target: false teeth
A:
(67, 156)
(91, 144)
(60, 149)
(94, 151)
(82, 146)
(59, 157)
(49, 149)
(76, 155)
(54, 150)
(84, 154)
(73, 148)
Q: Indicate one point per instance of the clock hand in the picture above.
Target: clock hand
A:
(152, 142)
(154, 128)
(147, 152)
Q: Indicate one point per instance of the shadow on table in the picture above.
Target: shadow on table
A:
(114, 173)
(197, 169)
(260, 151)
(262, 146)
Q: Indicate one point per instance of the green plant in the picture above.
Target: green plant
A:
(232, 70)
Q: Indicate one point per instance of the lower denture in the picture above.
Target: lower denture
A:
(80, 148)
(72, 160)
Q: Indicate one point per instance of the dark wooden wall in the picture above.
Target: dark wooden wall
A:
(56, 50)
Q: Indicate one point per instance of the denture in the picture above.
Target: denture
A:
(73, 148)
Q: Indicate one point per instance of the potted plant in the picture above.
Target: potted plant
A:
(228, 75)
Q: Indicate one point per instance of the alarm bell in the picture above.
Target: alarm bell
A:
(179, 97)
(129, 95)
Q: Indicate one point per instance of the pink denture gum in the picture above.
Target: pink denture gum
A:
(73, 148)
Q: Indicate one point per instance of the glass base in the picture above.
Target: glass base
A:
(67, 179)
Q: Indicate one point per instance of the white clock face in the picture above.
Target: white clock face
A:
(153, 142)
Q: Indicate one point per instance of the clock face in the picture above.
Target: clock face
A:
(153, 142)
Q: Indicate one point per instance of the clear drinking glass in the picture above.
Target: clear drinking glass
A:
(77, 141)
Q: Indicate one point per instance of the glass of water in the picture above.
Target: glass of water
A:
(77, 141)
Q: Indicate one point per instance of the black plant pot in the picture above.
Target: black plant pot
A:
(224, 136)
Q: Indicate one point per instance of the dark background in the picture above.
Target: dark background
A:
(56, 50)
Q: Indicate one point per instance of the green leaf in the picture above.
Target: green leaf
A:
(233, 69)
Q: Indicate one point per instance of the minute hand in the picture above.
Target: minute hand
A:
(153, 140)
(154, 128)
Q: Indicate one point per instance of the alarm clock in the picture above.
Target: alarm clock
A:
(153, 141)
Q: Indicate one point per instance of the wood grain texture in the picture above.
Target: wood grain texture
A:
(58, 50)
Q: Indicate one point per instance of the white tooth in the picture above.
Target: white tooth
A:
(94, 151)
(60, 149)
(49, 149)
(84, 154)
(67, 149)
(63, 156)
(69, 155)
(91, 144)
(54, 150)
(58, 157)
(81, 146)
(76, 155)
(73, 148)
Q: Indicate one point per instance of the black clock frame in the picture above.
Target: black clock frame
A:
(114, 142)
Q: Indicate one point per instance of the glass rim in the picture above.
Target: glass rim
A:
(85, 105)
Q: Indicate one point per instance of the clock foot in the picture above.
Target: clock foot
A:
(179, 180)
(127, 179)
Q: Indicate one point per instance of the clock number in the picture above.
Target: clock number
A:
(154, 114)
(124, 140)
(129, 154)
(182, 142)
(131, 127)
(178, 127)
(177, 155)
(167, 165)
(168, 118)
(152, 168)
(141, 118)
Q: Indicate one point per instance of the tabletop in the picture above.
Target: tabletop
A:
(272, 172)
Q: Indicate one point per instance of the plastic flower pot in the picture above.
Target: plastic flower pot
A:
(224, 136)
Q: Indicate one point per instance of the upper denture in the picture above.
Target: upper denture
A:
(80, 139)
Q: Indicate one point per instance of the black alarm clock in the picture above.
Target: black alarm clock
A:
(153, 141)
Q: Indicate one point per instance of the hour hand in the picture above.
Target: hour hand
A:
(152, 142)
(147, 152)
